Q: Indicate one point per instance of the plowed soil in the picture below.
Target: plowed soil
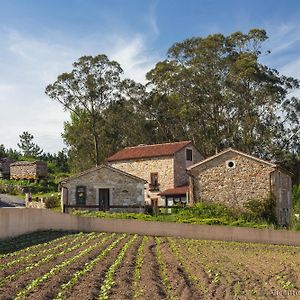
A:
(191, 269)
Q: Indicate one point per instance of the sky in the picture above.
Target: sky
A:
(40, 39)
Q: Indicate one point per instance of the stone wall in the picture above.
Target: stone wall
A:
(143, 168)
(28, 170)
(215, 182)
(124, 190)
(181, 164)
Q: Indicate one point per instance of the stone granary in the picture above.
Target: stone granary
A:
(101, 187)
(232, 177)
(163, 166)
(29, 170)
(5, 167)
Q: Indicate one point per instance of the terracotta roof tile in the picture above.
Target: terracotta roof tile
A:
(147, 151)
(180, 190)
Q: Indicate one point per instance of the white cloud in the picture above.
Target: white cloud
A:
(32, 63)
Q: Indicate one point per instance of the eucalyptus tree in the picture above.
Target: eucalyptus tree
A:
(224, 95)
(93, 84)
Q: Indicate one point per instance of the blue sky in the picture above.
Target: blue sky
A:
(39, 39)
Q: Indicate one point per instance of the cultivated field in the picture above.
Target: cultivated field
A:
(61, 265)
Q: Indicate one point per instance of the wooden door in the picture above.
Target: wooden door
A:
(104, 199)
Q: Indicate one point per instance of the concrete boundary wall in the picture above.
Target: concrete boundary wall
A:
(17, 221)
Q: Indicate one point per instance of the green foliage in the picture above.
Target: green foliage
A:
(137, 290)
(200, 213)
(22, 294)
(15, 187)
(28, 147)
(86, 91)
(110, 273)
(262, 209)
(295, 217)
(88, 267)
(52, 202)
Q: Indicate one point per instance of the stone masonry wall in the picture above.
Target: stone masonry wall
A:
(215, 182)
(123, 189)
(181, 164)
(142, 168)
(34, 170)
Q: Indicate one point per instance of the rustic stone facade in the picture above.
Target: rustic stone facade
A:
(124, 189)
(181, 164)
(171, 171)
(28, 170)
(5, 168)
(233, 178)
(143, 168)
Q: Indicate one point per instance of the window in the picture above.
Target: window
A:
(154, 185)
(230, 164)
(189, 154)
(80, 195)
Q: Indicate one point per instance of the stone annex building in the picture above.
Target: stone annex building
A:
(28, 170)
(170, 173)
(232, 177)
(163, 166)
(102, 187)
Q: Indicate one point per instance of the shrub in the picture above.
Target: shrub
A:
(295, 217)
(261, 209)
(52, 202)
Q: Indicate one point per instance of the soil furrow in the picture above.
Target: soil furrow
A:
(124, 283)
(182, 287)
(89, 286)
(151, 284)
(50, 288)
(35, 254)
(9, 289)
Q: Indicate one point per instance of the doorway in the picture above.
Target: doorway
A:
(103, 199)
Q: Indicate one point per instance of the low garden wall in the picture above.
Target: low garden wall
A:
(17, 221)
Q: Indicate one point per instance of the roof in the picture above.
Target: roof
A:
(180, 190)
(101, 167)
(240, 153)
(27, 163)
(147, 151)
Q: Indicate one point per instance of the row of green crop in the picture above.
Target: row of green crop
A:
(137, 291)
(26, 241)
(36, 282)
(88, 267)
(46, 259)
(35, 253)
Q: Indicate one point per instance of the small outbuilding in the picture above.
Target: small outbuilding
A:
(103, 188)
(29, 170)
(232, 178)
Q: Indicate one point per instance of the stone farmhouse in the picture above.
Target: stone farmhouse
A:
(5, 167)
(163, 166)
(28, 170)
(102, 187)
(232, 177)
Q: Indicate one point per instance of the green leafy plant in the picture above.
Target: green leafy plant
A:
(262, 209)
(137, 269)
(109, 276)
(36, 282)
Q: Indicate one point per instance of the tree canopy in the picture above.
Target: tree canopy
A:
(28, 147)
(214, 90)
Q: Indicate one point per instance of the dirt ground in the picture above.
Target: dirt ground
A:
(51, 265)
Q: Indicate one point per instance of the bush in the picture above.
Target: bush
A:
(261, 209)
(52, 202)
(295, 217)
